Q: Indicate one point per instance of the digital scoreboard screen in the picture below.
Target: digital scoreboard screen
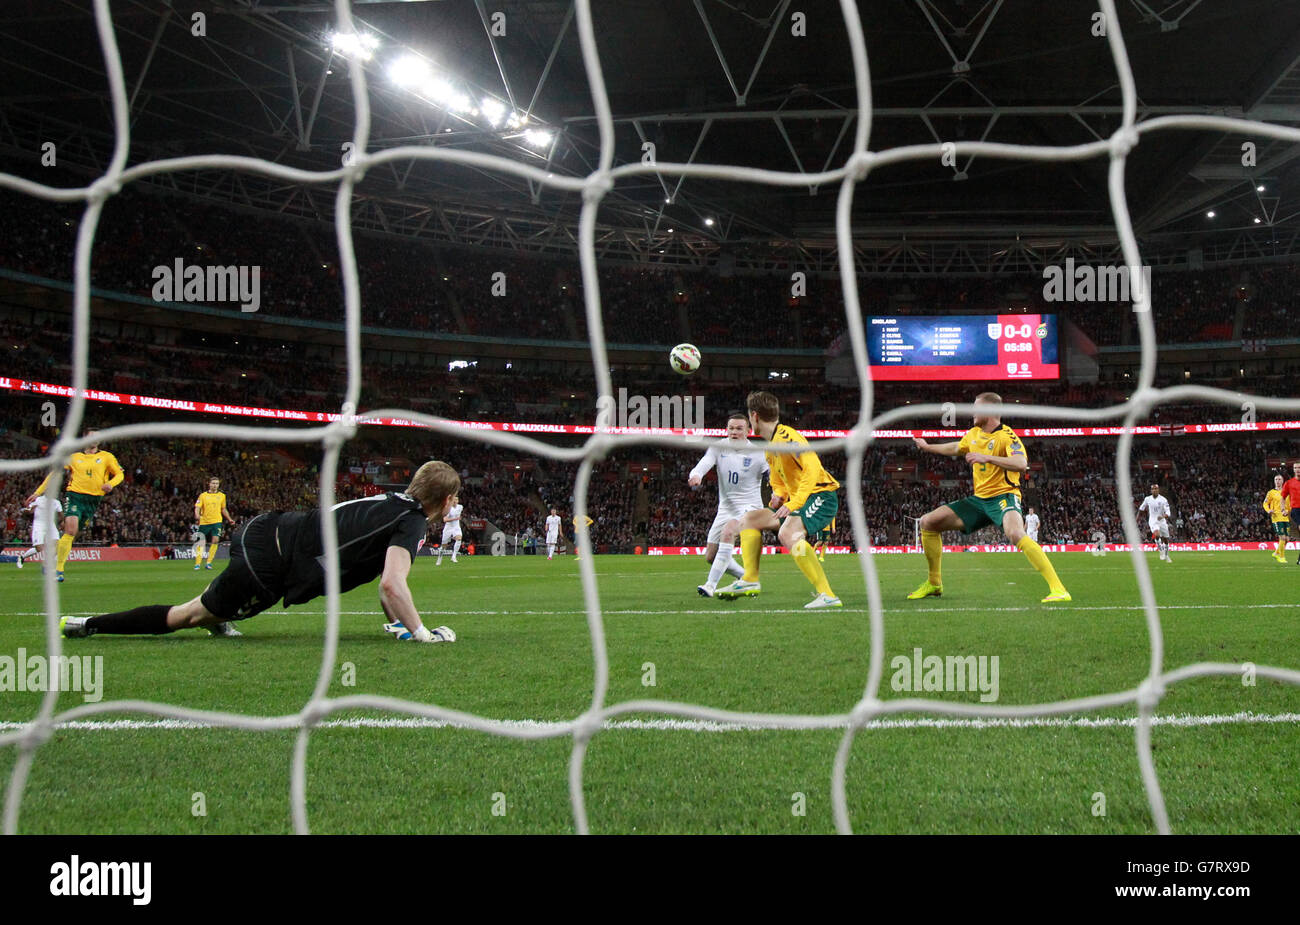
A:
(986, 347)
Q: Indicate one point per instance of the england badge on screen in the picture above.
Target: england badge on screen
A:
(994, 329)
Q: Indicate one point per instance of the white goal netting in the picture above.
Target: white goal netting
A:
(592, 188)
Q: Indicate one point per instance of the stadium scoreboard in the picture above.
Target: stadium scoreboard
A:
(985, 347)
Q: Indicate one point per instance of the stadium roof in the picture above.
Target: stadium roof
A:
(710, 81)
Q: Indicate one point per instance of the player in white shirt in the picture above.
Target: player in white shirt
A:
(741, 467)
(40, 518)
(552, 533)
(1031, 525)
(451, 529)
(1157, 507)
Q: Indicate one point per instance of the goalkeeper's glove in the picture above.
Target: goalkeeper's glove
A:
(423, 634)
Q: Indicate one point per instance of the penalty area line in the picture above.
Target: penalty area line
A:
(696, 725)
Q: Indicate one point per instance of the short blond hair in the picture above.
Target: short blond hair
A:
(989, 398)
(433, 483)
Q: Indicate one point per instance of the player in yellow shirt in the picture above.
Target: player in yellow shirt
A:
(803, 504)
(91, 475)
(576, 528)
(1280, 508)
(211, 512)
(997, 458)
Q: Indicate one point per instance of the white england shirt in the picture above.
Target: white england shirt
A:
(1157, 509)
(741, 468)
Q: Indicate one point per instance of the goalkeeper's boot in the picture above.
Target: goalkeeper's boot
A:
(58, 576)
(739, 588)
(1057, 597)
(197, 564)
(75, 627)
(224, 629)
(926, 590)
(822, 601)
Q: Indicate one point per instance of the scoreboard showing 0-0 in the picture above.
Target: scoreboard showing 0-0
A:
(984, 347)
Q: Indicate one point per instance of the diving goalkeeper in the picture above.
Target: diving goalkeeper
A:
(279, 555)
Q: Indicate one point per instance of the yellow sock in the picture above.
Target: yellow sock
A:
(751, 547)
(65, 547)
(1281, 545)
(1038, 559)
(212, 551)
(932, 543)
(811, 568)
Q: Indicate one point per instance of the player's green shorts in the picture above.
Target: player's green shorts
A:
(82, 507)
(977, 513)
(818, 513)
(211, 531)
(1281, 527)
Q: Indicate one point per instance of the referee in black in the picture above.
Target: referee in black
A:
(279, 556)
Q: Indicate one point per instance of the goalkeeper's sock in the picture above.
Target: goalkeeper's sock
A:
(142, 621)
(65, 547)
(1038, 559)
(751, 547)
(932, 543)
(1281, 545)
(723, 562)
(811, 568)
(212, 551)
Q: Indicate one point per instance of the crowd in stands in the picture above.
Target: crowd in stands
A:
(407, 284)
(639, 495)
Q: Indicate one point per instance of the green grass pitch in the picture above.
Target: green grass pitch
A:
(524, 654)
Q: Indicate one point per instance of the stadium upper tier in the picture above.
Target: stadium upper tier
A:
(252, 372)
(411, 285)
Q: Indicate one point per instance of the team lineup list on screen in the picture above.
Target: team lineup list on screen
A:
(987, 347)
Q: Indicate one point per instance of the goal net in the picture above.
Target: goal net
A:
(856, 169)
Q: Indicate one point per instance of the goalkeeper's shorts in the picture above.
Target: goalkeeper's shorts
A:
(255, 579)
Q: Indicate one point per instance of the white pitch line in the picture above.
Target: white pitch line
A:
(691, 725)
(725, 609)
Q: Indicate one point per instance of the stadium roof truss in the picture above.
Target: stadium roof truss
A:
(265, 83)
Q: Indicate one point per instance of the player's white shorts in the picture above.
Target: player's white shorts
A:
(725, 514)
(450, 532)
(38, 531)
(1032, 534)
(1159, 529)
(552, 539)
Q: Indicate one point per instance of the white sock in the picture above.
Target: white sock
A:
(29, 551)
(735, 568)
(440, 553)
(550, 550)
(720, 564)
(455, 549)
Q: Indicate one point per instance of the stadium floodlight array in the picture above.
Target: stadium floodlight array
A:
(592, 188)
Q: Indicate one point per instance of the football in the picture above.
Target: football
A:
(684, 359)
